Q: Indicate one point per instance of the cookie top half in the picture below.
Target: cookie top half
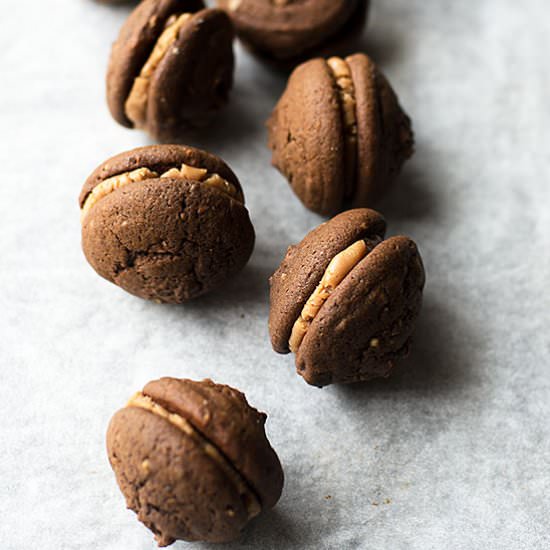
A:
(306, 135)
(385, 136)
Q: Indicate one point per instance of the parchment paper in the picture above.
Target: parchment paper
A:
(453, 452)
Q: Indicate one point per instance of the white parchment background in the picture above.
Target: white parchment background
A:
(453, 452)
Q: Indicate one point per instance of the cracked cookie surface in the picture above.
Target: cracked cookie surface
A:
(169, 238)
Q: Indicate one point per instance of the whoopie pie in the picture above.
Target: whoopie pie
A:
(192, 460)
(171, 68)
(165, 222)
(345, 300)
(338, 133)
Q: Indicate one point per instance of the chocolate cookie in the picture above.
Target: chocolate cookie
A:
(345, 300)
(193, 461)
(289, 31)
(171, 69)
(165, 222)
(338, 133)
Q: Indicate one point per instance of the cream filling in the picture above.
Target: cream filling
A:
(101, 190)
(202, 175)
(339, 267)
(136, 103)
(346, 92)
(249, 499)
(234, 5)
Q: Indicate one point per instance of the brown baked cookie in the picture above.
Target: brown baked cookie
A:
(193, 461)
(338, 133)
(290, 31)
(165, 222)
(171, 67)
(345, 300)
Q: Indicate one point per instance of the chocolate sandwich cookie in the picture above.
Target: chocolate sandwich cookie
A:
(345, 300)
(171, 67)
(338, 133)
(165, 222)
(193, 461)
(289, 31)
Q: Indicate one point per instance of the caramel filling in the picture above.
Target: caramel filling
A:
(337, 270)
(136, 104)
(101, 190)
(248, 497)
(346, 92)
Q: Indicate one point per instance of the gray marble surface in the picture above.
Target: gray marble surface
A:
(453, 452)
